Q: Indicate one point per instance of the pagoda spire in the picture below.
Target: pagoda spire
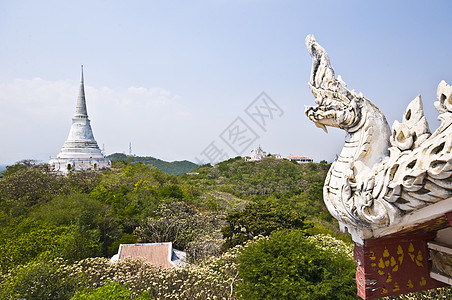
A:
(80, 109)
(80, 151)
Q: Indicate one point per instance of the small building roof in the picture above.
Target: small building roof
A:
(297, 156)
(159, 254)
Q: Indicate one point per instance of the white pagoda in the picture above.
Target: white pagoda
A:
(80, 151)
(257, 154)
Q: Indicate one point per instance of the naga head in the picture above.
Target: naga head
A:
(337, 105)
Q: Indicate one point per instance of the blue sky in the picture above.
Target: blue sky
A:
(171, 76)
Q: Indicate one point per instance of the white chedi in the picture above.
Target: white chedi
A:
(257, 154)
(80, 151)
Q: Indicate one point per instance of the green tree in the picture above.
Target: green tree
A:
(95, 221)
(29, 240)
(171, 191)
(13, 169)
(132, 192)
(26, 187)
(33, 240)
(287, 265)
(187, 227)
(173, 222)
(260, 219)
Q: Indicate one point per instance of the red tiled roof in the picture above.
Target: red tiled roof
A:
(295, 156)
(158, 254)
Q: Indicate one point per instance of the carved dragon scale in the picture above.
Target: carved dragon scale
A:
(381, 174)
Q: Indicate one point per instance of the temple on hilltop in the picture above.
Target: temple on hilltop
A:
(257, 154)
(80, 151)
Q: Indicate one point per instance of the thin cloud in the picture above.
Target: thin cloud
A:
(40, 112)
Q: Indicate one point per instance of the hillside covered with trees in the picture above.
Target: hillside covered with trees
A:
(251, 230)
(173, 168)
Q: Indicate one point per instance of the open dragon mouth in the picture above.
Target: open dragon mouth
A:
(322, 116)
(332, 113)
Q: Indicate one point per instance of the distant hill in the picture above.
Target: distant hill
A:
(174, 168)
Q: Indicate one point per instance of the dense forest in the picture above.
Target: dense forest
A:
(251, 230)
(174, 168)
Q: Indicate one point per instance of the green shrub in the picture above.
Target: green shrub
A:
(287, 265)
(41, 280)
(111, 291)
(35, 240)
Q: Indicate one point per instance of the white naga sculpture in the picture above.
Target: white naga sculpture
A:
(381, 174)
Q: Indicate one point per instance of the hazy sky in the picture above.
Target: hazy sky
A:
(174, 78)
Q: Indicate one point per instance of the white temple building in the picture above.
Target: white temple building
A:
(80, 151)
(257, 154)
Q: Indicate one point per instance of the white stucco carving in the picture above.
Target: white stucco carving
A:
(382, 174)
